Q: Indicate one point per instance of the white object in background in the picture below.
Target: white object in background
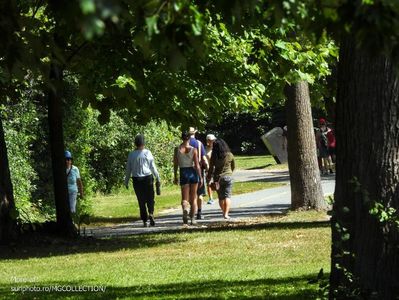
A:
(276, 144)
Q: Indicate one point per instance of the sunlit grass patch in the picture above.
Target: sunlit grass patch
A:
(274, 260)
(258, 162)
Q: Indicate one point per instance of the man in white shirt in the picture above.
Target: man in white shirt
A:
(141, 167)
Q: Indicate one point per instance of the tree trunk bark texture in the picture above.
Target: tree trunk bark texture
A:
(367, 168)
(7, 205)
(64, 220)
(306, 191)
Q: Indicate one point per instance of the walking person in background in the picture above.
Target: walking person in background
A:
(331, 145)
(221, 168)
(195, 142)
(141, 167)
(322, 144)
(186, 159)
(210, 139)
(74, 182)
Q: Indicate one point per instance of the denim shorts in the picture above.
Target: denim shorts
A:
(188, 176)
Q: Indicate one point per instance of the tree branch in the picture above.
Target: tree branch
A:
(76, 51)
(38, 5)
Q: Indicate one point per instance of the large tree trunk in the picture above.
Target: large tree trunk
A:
(306, 191)
(367, 171)
(64, 220)
(7, 205)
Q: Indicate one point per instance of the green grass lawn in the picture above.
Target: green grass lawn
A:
(123, 206)
(257, 162)
(272, 260)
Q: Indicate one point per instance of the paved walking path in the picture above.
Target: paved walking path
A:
(269, 201)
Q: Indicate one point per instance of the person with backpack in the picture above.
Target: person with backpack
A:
(73, 180)
(322, 144)
(195, 142)
(331, 144)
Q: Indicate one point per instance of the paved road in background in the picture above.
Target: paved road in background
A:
(269, 201)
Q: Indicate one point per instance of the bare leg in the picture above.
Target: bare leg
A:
(185, 195)
(324, 167)
(200, 198)
(227, 204)
(193, 199)
(199, 201)
(330, 164)
(222, 206)
(209, 190)
(185, 192)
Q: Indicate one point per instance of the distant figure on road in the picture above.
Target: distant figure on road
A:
(74, 181)
(331, 144)
(186, 159)
(221, 168)
(210, 139)
(322, 145)
(141, 167)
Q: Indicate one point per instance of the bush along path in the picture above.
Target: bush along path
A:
(243, 207)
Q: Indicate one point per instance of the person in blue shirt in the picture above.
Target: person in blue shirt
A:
(74, 182)
(196, 143)
(141, 167)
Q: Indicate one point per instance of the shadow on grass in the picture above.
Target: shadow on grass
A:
(260, 167)
(260, 178)
(251, 227)
(281, 288)
(118, 220)
(47, 246)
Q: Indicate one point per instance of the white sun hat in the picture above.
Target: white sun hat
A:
(210, 137)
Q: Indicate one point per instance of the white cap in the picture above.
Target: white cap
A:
(210, 137)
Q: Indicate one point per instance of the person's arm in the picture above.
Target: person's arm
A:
(79, 182)
(210, 170)
(153, 167)
(128, 172)
(204, 158)
(80, 187)
(175, 165)
(197, 166)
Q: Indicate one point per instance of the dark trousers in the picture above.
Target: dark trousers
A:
(144, 189)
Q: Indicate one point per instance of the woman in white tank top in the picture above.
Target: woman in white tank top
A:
(186, 159)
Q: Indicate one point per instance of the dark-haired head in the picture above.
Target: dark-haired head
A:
(185, 135)
(139, 140)
(220, 149)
